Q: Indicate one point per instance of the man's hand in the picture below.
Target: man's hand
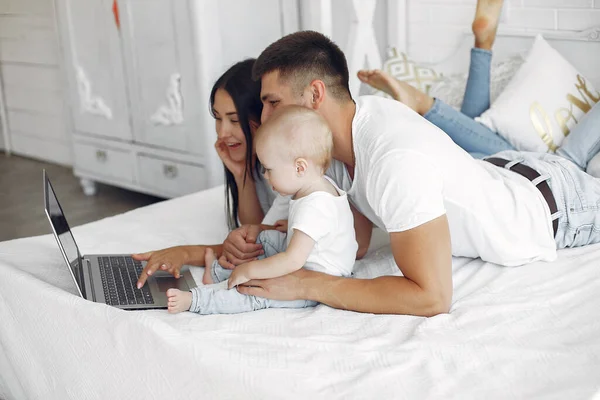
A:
(238, 276)
(287, 287)
(240, 246)
(170, 260)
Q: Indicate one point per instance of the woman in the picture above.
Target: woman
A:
(579, 147)
(236, 107)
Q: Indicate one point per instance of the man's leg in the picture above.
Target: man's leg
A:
(583, 142)
(580, 224)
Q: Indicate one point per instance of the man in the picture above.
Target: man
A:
(408, 177)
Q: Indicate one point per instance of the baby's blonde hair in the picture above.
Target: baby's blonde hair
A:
(301, 132)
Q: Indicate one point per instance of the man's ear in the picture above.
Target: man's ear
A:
(254, 125)
(317, 93)
(301, 166)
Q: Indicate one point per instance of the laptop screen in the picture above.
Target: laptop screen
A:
(63, 233)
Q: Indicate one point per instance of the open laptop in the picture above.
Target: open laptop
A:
(109, 278)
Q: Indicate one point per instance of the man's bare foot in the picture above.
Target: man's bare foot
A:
(399, 90)
(209, 258)
(485, 24)
(178, 301)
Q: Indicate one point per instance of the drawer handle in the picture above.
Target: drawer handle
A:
(170, 171)
(101, 156)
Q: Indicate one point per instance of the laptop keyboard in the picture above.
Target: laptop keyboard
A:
(119, 278)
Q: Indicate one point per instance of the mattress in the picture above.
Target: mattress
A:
(519, 332)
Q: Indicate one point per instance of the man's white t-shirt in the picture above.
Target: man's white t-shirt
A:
(409, 172)
(328, 220)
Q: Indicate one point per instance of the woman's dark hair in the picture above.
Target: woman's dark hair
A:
(245, 92)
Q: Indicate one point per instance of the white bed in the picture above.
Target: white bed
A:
(531, 331)
(525, 332)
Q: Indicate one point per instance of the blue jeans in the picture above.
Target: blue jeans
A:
(583, 142)
(475, 138)
(217, 299)
(576, 193)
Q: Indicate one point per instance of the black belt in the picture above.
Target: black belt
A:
(531, 174)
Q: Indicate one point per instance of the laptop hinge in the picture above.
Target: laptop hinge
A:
(89, 269)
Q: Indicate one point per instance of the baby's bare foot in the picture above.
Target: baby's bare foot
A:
(399, 90)
(178, 301)
(485, 24)
(209, 258)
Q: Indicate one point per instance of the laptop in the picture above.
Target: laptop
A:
(109, 278)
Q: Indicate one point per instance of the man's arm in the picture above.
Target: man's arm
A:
(363, 229)
(424, 256)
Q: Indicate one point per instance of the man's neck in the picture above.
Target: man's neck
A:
(339, 117)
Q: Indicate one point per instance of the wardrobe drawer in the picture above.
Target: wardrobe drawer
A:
(171, 177)
(104, 161)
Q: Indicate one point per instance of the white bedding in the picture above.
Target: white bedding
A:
(526, 332)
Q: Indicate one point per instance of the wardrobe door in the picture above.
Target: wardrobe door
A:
(161, 65)
(94, 67)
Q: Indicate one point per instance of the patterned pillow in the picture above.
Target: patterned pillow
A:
(400, 67)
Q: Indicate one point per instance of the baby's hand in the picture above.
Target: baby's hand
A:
(239, 276)
(281, 225)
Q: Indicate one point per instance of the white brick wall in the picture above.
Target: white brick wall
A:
(436, 26)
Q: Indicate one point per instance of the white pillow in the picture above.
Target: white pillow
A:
(400, 67)
(543, 101)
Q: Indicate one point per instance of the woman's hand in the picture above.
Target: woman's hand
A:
(281, 225)
(170, 260)
(240, 246)
(237, 168)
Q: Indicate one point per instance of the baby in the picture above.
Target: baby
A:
(294, 147)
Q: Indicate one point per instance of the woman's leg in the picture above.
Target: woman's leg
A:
(473, 137)
(485, 24)
(477, 93)
(583, 142)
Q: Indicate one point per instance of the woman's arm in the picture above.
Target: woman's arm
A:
(173, 258)
(249, 209)
(292, 259)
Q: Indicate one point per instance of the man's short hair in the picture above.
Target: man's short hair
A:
(302, 57)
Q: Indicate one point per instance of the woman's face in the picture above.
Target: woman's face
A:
(227, 125)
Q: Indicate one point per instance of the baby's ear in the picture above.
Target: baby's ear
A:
(301, 166)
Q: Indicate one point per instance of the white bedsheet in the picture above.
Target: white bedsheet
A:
(526, 332)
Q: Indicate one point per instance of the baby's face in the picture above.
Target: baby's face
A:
(278, 169)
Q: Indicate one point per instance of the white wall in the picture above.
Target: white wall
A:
(29, 64)
(436, 27)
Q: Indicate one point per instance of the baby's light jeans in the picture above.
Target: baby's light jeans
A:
(217, 299)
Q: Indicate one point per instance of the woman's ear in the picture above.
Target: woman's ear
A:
(301, 166)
